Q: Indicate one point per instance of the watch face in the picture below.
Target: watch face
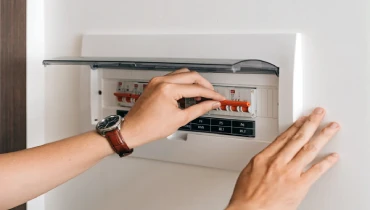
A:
(108, 122)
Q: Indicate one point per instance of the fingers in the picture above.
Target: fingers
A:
(192, 91)
(188, 78)
(183, 70)
(317, 170)
(303, 135)
(313, 147)
(200, 109)
(283, 138)
(184, 76)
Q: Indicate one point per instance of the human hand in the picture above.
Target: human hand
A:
(156, 114)
(275, 179)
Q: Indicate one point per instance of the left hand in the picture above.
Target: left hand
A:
(276, 178)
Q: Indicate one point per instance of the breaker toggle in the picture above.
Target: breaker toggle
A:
(235, 106)
(129, 97)
(232, 106)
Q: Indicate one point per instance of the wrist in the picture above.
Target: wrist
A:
(235, 208)
(243, 206)
(126, 133)
(99, 144)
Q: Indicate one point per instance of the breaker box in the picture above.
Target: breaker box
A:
(235, 117)
(260, 76)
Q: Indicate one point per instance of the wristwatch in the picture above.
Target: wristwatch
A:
(110, 128)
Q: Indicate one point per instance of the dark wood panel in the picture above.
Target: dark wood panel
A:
(13, 77)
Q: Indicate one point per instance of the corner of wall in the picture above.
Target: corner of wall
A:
(35, 83)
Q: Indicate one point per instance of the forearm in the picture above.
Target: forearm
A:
(27, 174)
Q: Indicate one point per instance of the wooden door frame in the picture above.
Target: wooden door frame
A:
(13, 77)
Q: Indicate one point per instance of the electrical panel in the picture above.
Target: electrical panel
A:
(259, 75)
(240, 102)
(235, 117)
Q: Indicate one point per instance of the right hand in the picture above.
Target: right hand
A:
(276, 179)
(156, 114)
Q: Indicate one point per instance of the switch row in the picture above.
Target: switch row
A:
(221, 126)
(216, 125)
(226, 105)
(130, 98)
(219, 130)
(224, 122)
(231, 105)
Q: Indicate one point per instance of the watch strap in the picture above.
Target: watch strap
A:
(117, 142)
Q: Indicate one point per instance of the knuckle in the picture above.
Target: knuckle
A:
(274, 170)
(298, 136)
(247, 170)
(194, 73)
(296, 126)
(275, 165)
(292, 172)
(258, 160)
(165, 87)
(319, 168)
(155, 80)
(313, 119)
(326, 132)
(183, 69)
(282, 137)
(310, 148)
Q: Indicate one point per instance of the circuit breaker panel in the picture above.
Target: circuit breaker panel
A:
(240, 101)
(235, 117)
(259, 75)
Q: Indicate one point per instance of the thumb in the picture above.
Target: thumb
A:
(200, 109)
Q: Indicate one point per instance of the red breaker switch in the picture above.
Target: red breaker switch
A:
(236, 106)
(229, 105)
(128, 99)
(128, 96)
(223, 107)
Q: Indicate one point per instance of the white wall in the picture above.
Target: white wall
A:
(35, 82)
(335, 51)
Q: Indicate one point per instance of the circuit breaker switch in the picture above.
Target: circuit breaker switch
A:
(235, 106)
(128, 97)
(244, 109)
(235, 103)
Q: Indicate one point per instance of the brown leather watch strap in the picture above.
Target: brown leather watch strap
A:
(118, 144)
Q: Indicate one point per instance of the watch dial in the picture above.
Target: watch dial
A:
(108, 122)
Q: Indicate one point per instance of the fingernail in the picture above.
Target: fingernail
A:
(223, 98)
(334, 125)
(216, 105)
(319, 111)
